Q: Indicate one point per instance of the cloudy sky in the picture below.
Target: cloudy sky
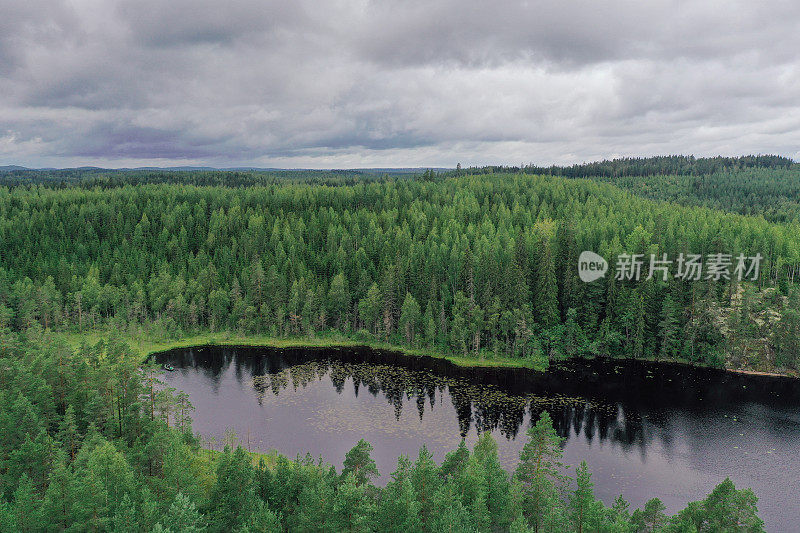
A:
(360, 83)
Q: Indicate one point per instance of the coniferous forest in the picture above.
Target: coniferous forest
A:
(478, 264)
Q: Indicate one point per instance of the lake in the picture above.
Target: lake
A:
(645, 429)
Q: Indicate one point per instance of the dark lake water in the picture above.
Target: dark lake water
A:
(645, 429)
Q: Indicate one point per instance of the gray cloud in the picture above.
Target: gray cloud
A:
(319, 83)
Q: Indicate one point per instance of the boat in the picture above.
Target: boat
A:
(168, 367)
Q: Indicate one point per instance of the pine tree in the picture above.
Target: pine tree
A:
(787, 339)
(263, 520)
(57, 507)
(426, 481)
(429, 324)
(27, 507)
(358, 462)
(618, 517)
(102, 477)
(495, 480)
(539, 472)
(546, 293)
(338, 300)
(125, 519)
(183, 516)
(459, 325)
(8, 520)
(352, 507)
(728, 509)
(68, 432)
(583, 507)
(455, 462)
(651, 518)
(369, 308)
(573, 340)
(448, 513)
(668, 329)
(232, 500)
(399, 510)
(409, 317)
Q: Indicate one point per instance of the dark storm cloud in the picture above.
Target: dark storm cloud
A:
(381, 83)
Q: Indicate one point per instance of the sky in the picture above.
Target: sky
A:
(385, 83)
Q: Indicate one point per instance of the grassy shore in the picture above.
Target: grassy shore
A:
(144, 345)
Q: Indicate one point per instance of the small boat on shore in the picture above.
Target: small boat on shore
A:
(168, 367)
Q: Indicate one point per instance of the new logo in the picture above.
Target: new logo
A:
(591, 266)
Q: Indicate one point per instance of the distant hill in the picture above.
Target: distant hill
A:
(676, 165)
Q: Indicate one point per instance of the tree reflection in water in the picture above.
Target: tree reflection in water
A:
(598, 399)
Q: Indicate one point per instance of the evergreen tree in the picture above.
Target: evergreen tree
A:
(668, 329)
(728, 509)
(352, 507)
(546, 293)
(426, 482)
(125, 519)
(583, 507)
(495, 480)
(68, 432)
(651, 518)
(370, 307)
(409, 317)
(26, 507)
(232, 500)
(358, 462)
(399, 510)
(429, 325)
(338, 300)
(183, 516)
(539, 472)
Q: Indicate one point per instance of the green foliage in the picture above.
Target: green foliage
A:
(471, 265)
(540, 475)
(85, 441)
(725, 509)
(359, 463)
(409, 318)
(232, 501)
(183, 516)
(131, 472)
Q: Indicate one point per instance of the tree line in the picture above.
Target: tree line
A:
(100, 178)
(766, 186)
(680, 165)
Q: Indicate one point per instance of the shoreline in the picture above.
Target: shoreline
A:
(761, 373)
(146, 347)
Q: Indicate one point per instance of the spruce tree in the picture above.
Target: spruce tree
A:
(540, 473)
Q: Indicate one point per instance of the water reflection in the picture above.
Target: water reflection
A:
(594, 399)
(667, 430)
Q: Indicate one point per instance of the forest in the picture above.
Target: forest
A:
(766, 186)
(90, 441)
(483, 266)
(479, 264)
(667, 165)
